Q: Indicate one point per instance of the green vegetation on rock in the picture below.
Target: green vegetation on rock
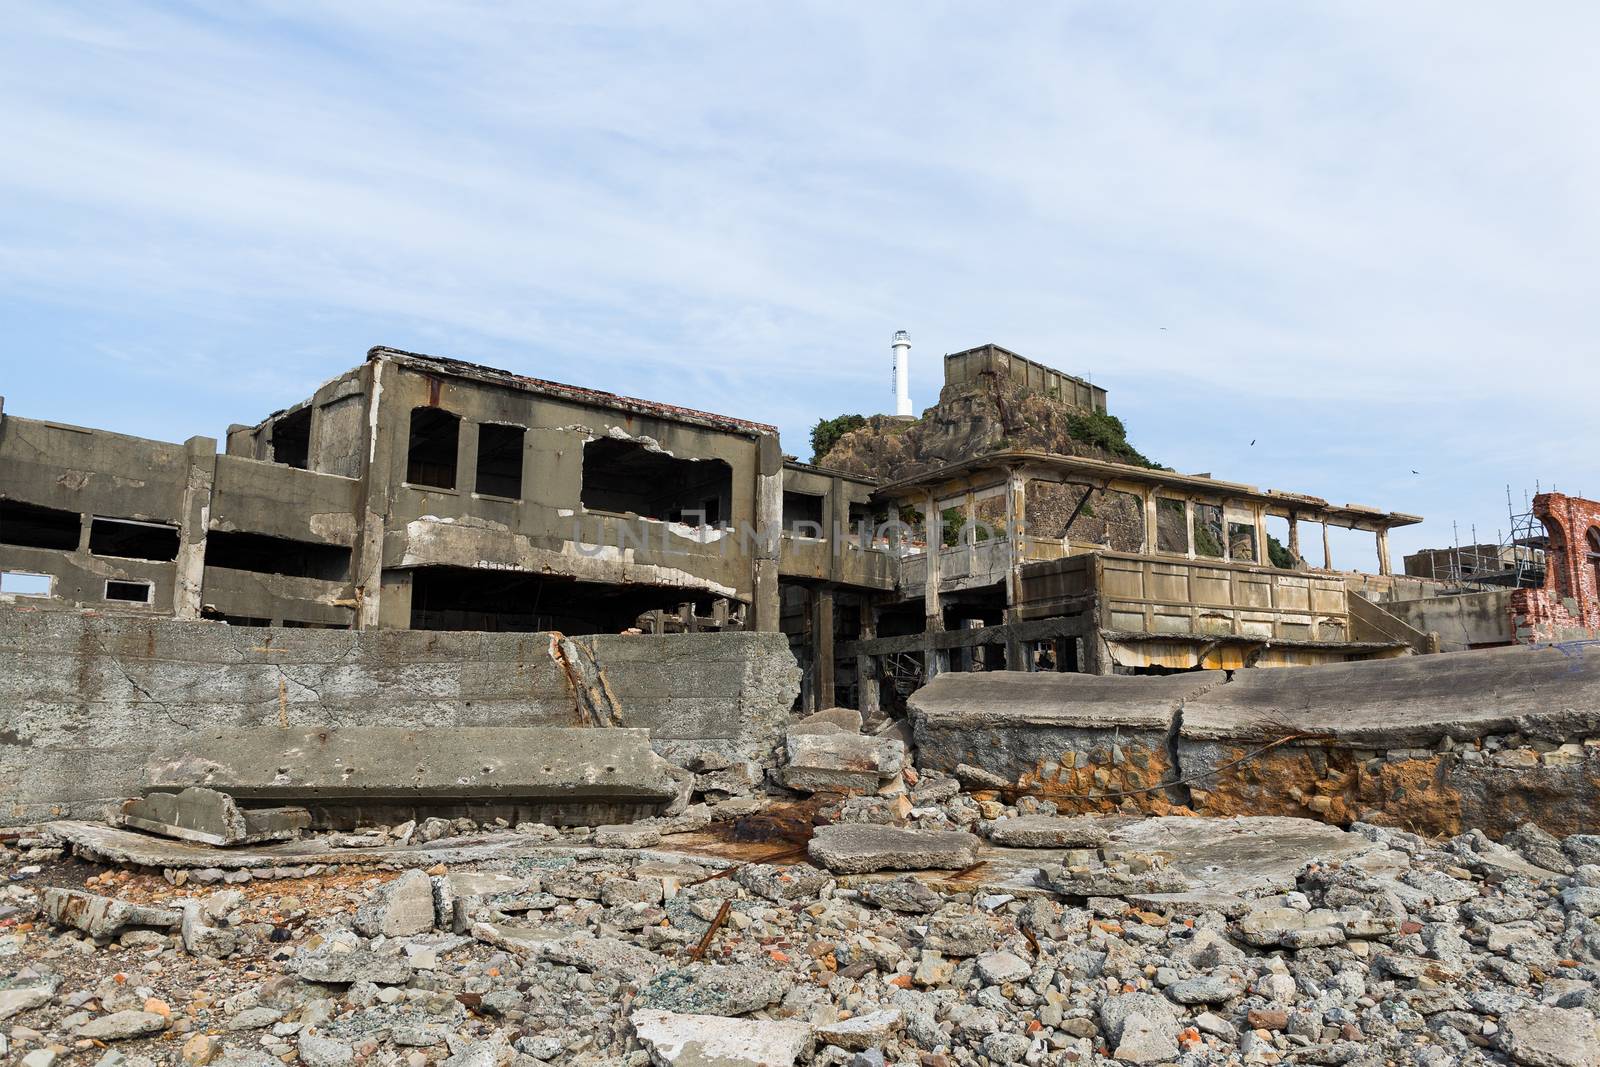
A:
(826, 433)
(1106, 432)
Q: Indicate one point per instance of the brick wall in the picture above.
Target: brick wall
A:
(1568, 607)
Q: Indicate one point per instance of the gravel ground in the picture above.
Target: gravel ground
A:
(1417, 952)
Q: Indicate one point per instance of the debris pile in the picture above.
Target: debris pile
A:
(934, 926)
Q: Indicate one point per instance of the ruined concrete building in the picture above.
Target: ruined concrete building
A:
(416, 492)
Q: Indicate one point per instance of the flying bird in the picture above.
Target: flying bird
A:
(1252, 442)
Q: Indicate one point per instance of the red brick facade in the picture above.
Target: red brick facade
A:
(1568, 607)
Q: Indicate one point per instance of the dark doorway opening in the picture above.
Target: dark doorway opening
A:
(132, 539)
(291, 438)
(500, 460)
(626, 477)
(265, 554)
(33, 526)
(463, 598)
(431, 451)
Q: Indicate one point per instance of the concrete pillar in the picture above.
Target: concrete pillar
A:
(822, 648)
(467, 461)
(766, 611)
(1294, 539)
(201, 456)
(1188, 526)
(1016, 529)
(1262, 555)
(1383, 552)
(1152, 538)
(372, 505)
(867, 666)
(1327, 552)
(933, 614)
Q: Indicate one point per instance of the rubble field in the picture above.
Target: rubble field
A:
(1039, 939)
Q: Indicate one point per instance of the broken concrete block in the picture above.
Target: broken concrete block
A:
(346, 968)
(122, 1025)
(842, 720)
(711, 1039)
(862, 1032)
(1048, 831)
(201, 939)
(857, 848)
(459, 893)
(1096, 880)
(840, 762)
(583, 775)
(624, 836)
(399, 908)
(103, 917)
(208, 817)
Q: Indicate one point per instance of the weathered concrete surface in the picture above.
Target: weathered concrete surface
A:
(379, 763)
(1435, 744)
(837, 761)
(1412, 702)
(87, 699)
(1072, 737)
(209, 817)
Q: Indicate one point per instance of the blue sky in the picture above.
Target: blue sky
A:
(1362, 235)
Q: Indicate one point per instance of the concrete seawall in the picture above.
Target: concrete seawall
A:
(85, 700)
(1436, 744)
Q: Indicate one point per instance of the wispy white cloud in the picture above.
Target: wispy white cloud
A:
(1361, 233)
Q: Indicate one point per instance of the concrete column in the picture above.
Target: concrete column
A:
(1294, 539)
(201, 455)
(1152, 538)
(372, 506)
(766, 611)
(467, 463)
(1327, 552)
(1262, 555)
(1016, 526)
(933, 615)
(1383, 552)
(867, 666)
(1188, 526)
(822, 648)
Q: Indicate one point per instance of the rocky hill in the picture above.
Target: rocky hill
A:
(989, 416)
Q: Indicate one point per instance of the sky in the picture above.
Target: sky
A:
(1347, 249)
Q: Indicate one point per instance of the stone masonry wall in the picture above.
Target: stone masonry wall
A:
(85, 699)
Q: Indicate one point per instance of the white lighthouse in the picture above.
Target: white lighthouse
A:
(902, 374)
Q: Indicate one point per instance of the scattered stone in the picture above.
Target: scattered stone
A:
(400, 908)
(840, 762)
(857, 848)
(714, 1041)
(906, 894)
(863, 1032)
(1551, 1037)
(121, 1025)
(103, 917)
(713, 989)
(1047, 831)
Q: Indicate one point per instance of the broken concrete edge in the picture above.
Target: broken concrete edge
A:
(367, 763)
(105, 844)
(208, 817)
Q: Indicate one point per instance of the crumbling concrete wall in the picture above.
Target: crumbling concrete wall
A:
(85, 699)
(1567, 608)
(1435, 744)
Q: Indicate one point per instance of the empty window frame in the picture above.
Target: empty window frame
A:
(626, 477)
(26, 583)
(1172, 526)
(128, 592)
(1208, 531)
(291, 439)
(500, 460)
(802, 513)
(432, 447)
(131, 539)
(1242, 542)
(33, 526)
(265, 554)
